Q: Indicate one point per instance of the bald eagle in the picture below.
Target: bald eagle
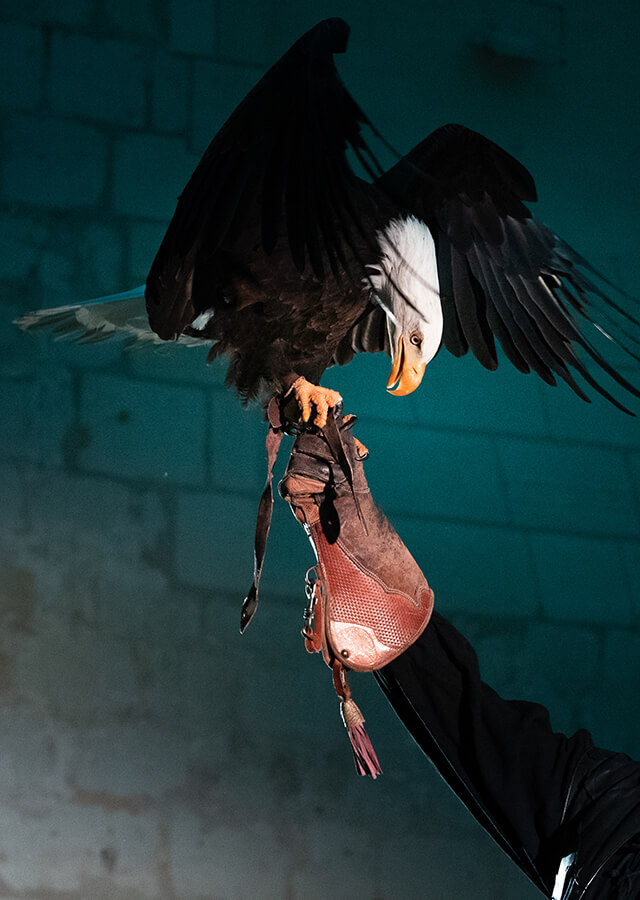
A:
(288, 261)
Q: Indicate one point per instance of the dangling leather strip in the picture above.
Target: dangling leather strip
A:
(263, 523)
(265, 507)
(334, 439)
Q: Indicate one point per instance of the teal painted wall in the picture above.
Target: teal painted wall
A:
(146, 750)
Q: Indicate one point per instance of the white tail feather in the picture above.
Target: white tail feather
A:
(120, 315)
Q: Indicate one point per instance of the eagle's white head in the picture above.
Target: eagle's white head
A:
(405, 283)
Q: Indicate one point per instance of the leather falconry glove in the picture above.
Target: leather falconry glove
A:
(367, 599)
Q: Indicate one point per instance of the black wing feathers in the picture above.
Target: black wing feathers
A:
(276, 170)
(470, 308)
(502, 273)
(453, 336)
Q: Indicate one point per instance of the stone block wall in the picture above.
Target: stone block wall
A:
(146, 750)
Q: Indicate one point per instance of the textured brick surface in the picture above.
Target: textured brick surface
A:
(630, 556)
(141, 430)
(582, 579)
(171, 93)
(447, 475)
(530, 30)
(53, 162)
(86, 689)
(138, 762)
(11, 498)
(67, 12)
(460, 393)
(622, 655)
(254, 47)
(144, 19)
(447, 873)
(144, 240)
(21, 242)
(264, 36)
(486, 570)
(215, 545)
(81, 81)
(566, 654)
(150, 173)
(362, 385)
(123, 548)
(174, 362)
(36, 416)
(193, 26)
(239, 458)
(610, 716)
(101, 258)
(212, 540)
(568, 487)
(207, 853)
(634, 470)
(21, 66)
(217, 91)
(70, 848)
(55, 271)
(597, 421)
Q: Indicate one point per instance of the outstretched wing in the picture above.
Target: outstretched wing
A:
(277, 170)
(504, 275)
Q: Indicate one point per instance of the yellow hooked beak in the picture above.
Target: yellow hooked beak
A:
(406, 370)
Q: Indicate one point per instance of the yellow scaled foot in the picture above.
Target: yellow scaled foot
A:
(313, 397)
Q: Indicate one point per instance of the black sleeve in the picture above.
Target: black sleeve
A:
(501, 757)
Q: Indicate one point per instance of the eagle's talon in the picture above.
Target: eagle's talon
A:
(313, 396)
(362, 452)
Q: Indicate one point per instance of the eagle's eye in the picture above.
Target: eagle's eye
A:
(416, 338)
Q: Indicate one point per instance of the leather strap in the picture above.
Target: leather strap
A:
(265, 510)
(334, 440)
(278, 427)
(340, 682)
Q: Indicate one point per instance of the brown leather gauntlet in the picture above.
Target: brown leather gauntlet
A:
(370, 600)
(376, 600)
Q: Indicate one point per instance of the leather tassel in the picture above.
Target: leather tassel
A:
(364, 756)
